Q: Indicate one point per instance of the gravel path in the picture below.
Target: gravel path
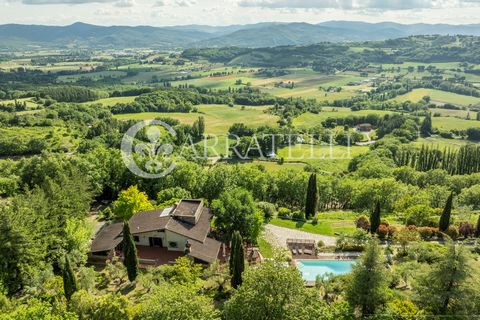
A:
(278, 236)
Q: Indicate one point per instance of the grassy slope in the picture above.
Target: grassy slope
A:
(439, 96)
(113, 101)
(308, 120)
(450, 123)
(218, 118)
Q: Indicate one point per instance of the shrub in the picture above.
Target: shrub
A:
(354, 242)
(382, 231)
(315, 220)
(268, 209)
(466, 229)
(362, 222)
(427, 232)
(452, 232)
(320, 244)
(284, 213)
(391, 231)
(419, 215)
(298, 215)
(447, 135)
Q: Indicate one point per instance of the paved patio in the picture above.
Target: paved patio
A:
(278, 236)
(155, 256)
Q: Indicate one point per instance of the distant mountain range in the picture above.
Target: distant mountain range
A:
(81, 35)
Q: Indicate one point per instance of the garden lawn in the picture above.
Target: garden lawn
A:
(324, 227)
(266, 248)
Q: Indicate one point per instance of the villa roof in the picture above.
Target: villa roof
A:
(108, 238)
(198, 231)
(188, 207)
(148, 221)
(206, 251)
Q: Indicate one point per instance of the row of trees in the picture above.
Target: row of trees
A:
(465, 160)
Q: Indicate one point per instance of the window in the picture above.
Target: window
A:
(173, 244)
(136, 238)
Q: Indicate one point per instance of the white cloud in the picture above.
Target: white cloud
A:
(125, 3)
(46, 2)
(354, 4)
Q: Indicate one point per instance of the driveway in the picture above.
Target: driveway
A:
(278, 236)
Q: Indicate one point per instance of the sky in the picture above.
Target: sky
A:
(228, 12)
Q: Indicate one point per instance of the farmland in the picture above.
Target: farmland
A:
(218, 118)
(438, 96)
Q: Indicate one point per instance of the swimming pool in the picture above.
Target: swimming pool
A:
(310, 269)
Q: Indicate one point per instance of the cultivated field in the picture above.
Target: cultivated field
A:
(438, 96)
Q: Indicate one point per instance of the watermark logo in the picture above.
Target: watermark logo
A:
(149, 148)
(149, 159)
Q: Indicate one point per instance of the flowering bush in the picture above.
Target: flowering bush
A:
(362, 222)
(427, 233)
(466, 229)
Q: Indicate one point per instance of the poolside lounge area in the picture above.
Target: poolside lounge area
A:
(302, 248)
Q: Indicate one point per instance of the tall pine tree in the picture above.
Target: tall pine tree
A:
(237, 260)
(69, 279)
(312, 197)
(447, 211)
(129, 253)
(367, 289)
(375, 218)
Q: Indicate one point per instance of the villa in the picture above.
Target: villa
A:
(162, 235)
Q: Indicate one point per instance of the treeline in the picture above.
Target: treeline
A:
(326, 57)
(21, 145)
(391, 90)
(184, 100)
(71, 94)
(465, 160)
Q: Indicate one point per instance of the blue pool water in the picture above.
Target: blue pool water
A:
(310, 269)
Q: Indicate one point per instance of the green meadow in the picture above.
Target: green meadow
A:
(451, 123)
(309, 120)
(218, 118)
(113, 101)
(438, 96)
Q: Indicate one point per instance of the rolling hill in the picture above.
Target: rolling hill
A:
(81, 35)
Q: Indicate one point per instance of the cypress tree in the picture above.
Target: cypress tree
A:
(426, 127)
(375, 218)
(312, 196)
(447, 211)
(69, 279)
(129, 253)
(237, 260)
(477, 230)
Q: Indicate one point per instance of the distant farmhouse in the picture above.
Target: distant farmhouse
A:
(364, 127)
(162, 235)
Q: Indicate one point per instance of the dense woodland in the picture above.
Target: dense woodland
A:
(412, 205)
